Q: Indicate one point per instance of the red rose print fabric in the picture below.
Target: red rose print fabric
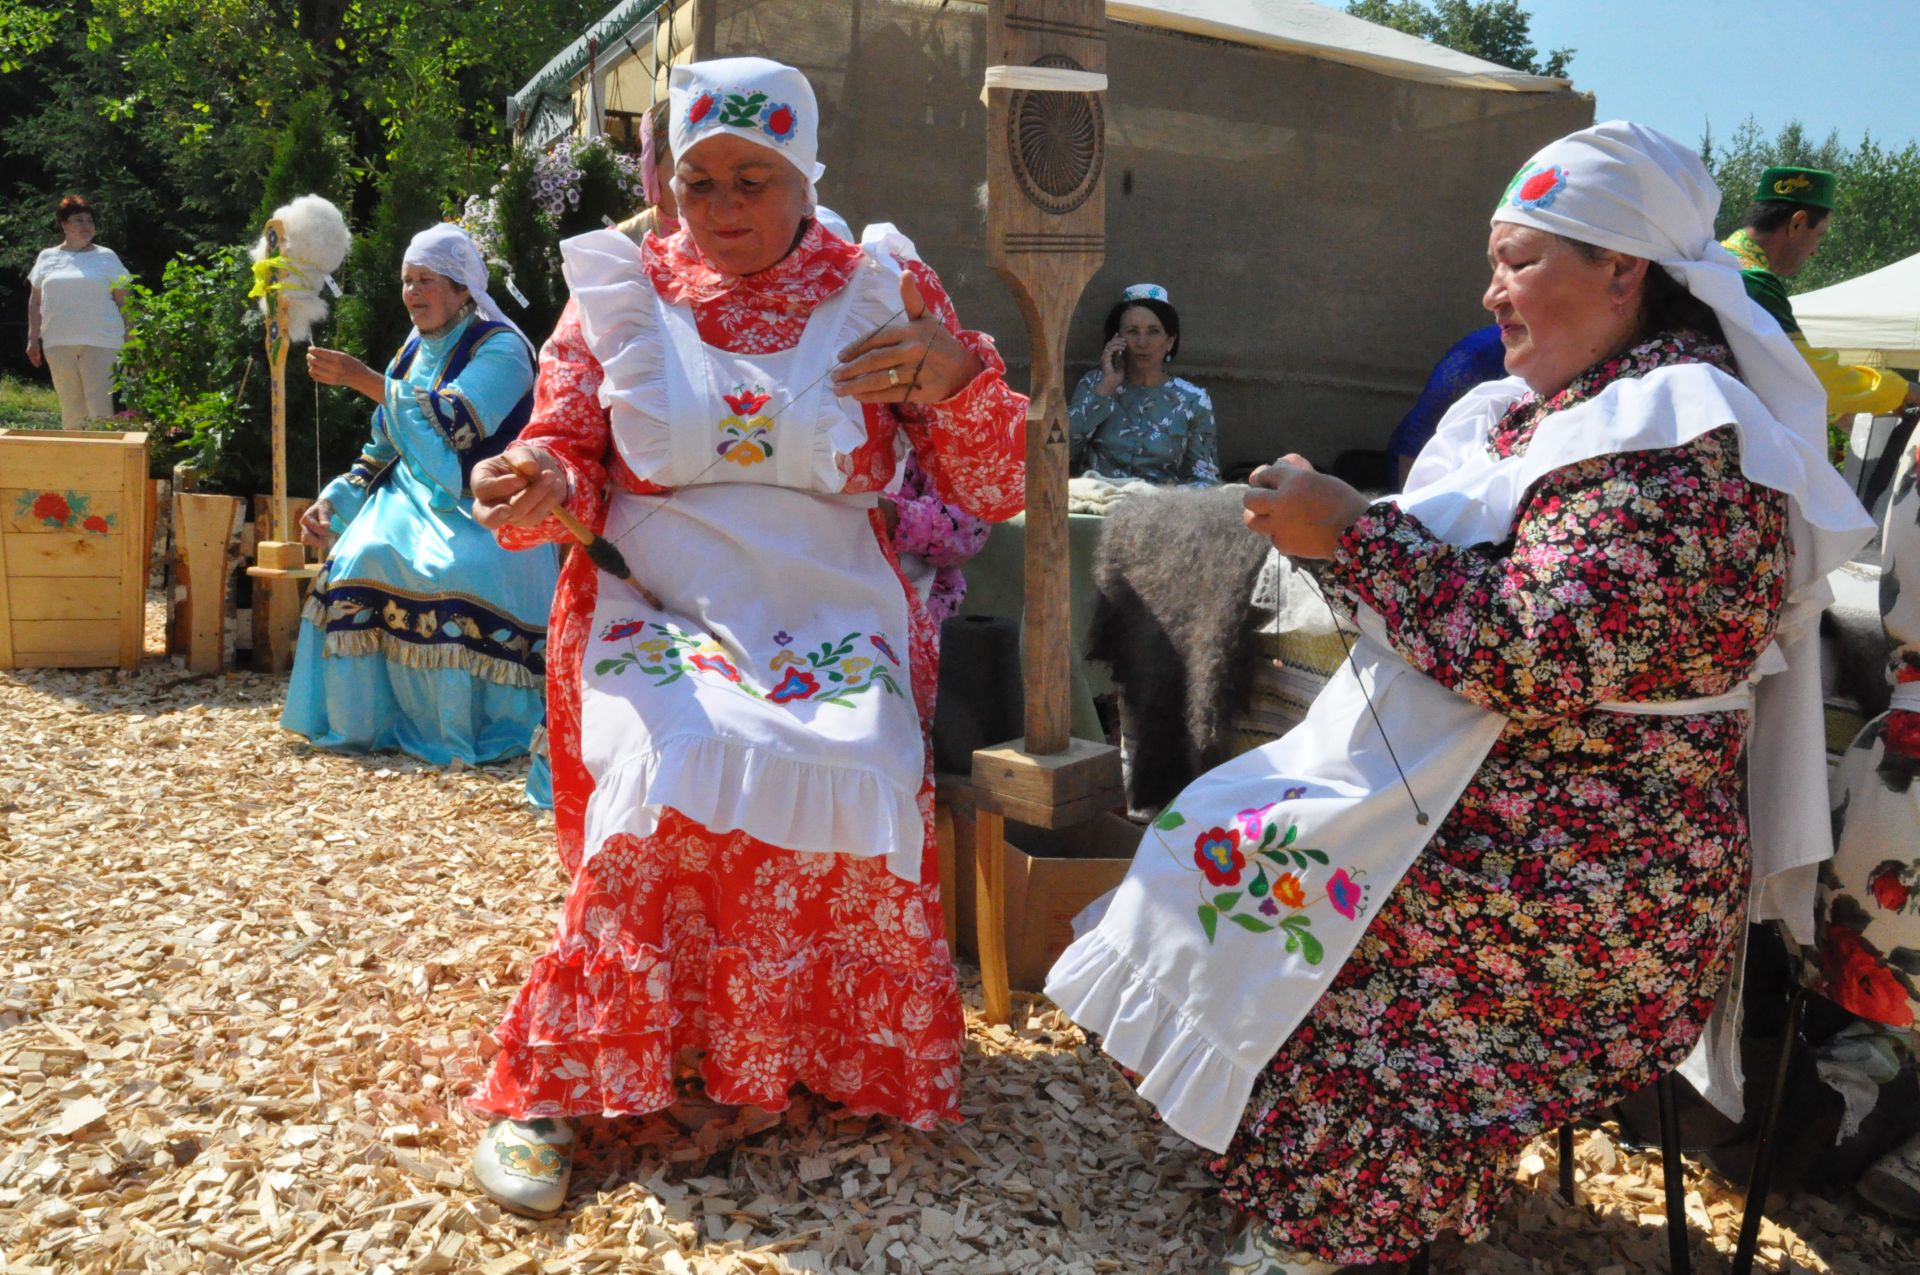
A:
(1868, 960)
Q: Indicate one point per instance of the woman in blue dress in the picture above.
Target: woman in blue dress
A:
(422, 633)
(1132, 419)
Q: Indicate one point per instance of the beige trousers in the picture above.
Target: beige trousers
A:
(83, 378)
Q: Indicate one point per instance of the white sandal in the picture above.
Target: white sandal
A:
(525, 1166)
(1892, 1183)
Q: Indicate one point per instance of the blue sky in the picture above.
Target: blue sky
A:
(1851, 65)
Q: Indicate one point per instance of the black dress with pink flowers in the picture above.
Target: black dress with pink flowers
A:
(1561, 940)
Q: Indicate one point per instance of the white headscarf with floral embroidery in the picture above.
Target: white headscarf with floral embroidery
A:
(1635, 190)
(762, 101)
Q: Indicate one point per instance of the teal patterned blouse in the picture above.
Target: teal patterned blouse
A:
(1158, 434)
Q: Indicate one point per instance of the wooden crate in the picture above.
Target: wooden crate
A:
(74, 519)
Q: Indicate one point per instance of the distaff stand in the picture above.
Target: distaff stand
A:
(280, 563)
(1046, 236)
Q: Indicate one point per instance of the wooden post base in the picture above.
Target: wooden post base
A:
(280, 566)
(206, 532)
(1049, 790)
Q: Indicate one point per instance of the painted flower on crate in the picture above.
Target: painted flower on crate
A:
(98, 525)
(51, 508)
(1217, 852)
(796, 685)
(716, 664)
(1345, 894)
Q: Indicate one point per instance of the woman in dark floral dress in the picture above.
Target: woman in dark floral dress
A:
(1557, 936)
(1561, 940)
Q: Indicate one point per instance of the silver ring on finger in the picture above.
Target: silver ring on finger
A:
(893, 376)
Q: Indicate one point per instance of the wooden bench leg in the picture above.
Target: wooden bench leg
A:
(1676, 1176)
(1761, 1179)
(990, 914)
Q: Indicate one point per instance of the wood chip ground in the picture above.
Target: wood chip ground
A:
(244, 985)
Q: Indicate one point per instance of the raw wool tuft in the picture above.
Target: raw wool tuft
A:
(316, 243)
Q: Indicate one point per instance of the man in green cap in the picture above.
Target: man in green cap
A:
(1782, 230)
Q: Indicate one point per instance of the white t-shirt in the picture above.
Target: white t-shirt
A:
(76, 297)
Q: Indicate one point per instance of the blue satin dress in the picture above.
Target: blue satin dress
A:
(421, 633)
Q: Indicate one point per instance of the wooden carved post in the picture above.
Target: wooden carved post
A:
(277, 344)
(1046, 236)
(281, 561)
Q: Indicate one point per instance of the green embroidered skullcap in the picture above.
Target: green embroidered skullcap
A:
(1810, 186)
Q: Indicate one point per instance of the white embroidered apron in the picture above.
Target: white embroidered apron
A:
(1257, 882)
(770, 694)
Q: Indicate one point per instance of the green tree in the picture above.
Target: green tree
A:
(186, 120)
(1876, 213)
(1496, 30)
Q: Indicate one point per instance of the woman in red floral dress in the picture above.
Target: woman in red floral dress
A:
(1589, 564)
(768, 907)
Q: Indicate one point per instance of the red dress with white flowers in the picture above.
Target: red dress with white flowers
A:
(777, 968)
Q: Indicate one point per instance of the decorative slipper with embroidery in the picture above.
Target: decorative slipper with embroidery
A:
(524, 1166)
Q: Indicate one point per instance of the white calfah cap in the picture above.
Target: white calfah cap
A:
(765, 102)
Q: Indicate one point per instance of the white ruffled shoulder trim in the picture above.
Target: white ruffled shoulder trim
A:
(809, 807)
(619, 316)
(1199, 1091)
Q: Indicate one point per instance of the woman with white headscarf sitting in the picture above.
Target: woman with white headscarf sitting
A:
(742, 772)
(1370, 961)
(422, 633)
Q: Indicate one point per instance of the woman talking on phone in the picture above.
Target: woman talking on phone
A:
(1130, 417)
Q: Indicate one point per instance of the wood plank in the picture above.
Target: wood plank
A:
(66, 598)
(277, 601)
(990, 914)
(204, 537)
(71, 553)
(77, 463)
(1081, 769)
(89, 642)
(17, 515)
(6, 607)
(133, 583)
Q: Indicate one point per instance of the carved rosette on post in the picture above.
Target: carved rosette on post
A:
(1046, 237)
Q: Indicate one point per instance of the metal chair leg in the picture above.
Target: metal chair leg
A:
(1421, 1261)
(1566, 1163)
(1761, 1178)
(1678, 1260)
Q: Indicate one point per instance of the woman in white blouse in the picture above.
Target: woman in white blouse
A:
(74, 323)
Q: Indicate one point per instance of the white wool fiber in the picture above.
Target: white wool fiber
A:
(315, 242)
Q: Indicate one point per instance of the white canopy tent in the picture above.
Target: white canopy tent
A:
(1875, 313)
(1315, 30)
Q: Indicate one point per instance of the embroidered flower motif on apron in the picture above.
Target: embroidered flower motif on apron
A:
(769, 695)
